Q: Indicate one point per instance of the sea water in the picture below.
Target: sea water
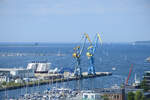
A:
(108, 56)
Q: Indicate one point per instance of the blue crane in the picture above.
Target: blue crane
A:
(90, 54)
(77, 54)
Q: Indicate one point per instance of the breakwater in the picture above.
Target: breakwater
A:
(56, 80)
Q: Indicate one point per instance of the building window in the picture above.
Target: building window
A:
(114, 96)
(117, 96)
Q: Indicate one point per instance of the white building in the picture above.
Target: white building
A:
(89, 95)
(32, 66)
(22, 73)
(39, 66)
(147, 77)
(18, 80)
(18, 72)
(4, 78)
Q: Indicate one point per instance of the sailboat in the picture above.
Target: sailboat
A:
(60, 54)
(136, 81)
(114, 68)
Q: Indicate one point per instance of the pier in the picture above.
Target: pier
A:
(55, 80)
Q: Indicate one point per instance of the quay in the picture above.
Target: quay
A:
(55, 80)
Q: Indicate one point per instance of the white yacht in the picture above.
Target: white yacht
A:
(148, 59)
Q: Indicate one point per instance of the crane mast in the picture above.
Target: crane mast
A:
(129, 74)
(77, 54)
(90, 54)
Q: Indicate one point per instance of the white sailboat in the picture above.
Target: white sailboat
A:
(136, 81)
(114, 68)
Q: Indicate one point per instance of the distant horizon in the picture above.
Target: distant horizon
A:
(64, 42)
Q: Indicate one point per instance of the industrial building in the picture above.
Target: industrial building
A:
(91, 95)
(4, 78)
(112, 93)
(17, 72)
(39, 66)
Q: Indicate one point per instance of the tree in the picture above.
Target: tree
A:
(131, 96)
(144, 98)
(105, 97)
(4, 83)
(138, 95)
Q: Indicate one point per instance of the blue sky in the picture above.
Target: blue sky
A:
(65, 20)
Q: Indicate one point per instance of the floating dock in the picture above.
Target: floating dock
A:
(55, 80)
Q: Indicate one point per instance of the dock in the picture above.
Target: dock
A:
(55, 80)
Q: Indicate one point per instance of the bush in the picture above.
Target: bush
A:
(3, 83)
(105, 97)
(131, 96)
(139, 95)
(136, 96)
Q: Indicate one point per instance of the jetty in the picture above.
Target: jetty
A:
(54, 80)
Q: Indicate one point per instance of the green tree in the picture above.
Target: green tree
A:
(144, 98)
(131, 96)
(4, 83)
(138, 95)
(105, 97)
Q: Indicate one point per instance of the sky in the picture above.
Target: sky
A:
(64, 21)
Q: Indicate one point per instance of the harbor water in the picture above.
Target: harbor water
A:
(107, 58)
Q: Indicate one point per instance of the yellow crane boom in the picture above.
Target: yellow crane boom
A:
(87, 36)
(99, 37)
